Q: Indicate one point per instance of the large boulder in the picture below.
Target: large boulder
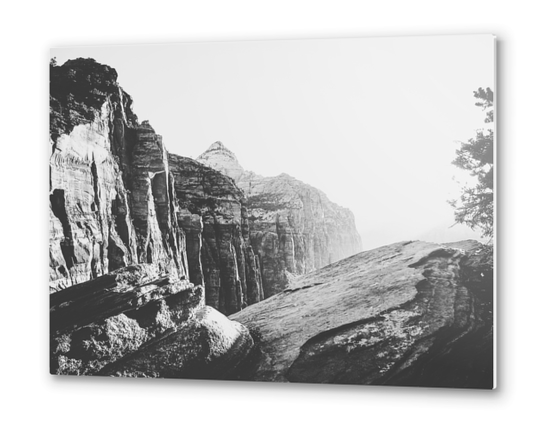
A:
(411, 313)
(207, 346)
(160, 323)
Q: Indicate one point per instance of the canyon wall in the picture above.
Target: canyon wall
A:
(114, 197)
(141, 240)
(294, 228)
(111, 200)
(214, 218)
(114, 194)
(121, 301)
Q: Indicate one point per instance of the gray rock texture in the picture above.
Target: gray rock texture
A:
(213, 215)
(134, 322)
(141, 240)
(113, 197)
(411, 313)
(111, 200)
(208, 346)
(121, 299)
(294, 228)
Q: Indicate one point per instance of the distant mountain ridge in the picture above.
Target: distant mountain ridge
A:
(294, 227)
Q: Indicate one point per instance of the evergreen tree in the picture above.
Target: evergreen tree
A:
(475, 205)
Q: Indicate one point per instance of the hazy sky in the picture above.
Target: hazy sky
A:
(370, 121)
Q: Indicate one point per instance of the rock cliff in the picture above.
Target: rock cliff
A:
(294, 228)
(141, 240)
(412, 313)
(113, 197)
(121, 300)
(112, 203)
(213, 215)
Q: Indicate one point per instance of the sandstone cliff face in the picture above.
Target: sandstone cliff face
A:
(294, 228)
(121, 301)
(111, 199)
(411, 313)
(213, 215)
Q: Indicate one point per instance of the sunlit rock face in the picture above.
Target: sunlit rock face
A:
(294, 228)
(111, 199)
(121, 302)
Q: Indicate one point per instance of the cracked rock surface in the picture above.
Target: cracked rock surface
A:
(410, 313)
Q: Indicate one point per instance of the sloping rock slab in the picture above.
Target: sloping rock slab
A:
(412, 313)
(207, 346)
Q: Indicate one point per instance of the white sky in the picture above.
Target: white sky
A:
(369, 121)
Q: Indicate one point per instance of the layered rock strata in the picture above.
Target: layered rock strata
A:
(213, 215)
(112, 203)
(412, 313)
(135, 322)
(113, 198)
(294, 228)
(118, 260)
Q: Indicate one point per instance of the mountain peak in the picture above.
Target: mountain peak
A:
(217, 145)
(217, 148)
(219, 157)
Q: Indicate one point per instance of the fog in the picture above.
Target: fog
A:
(372, 122)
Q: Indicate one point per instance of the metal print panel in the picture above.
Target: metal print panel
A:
(311, 211)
